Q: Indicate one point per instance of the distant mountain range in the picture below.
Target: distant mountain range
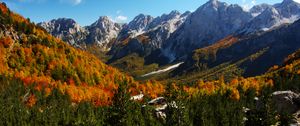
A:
(175, 37)
(100, 33)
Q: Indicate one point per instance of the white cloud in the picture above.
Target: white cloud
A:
(121, 19)
(247, 4)
(73, 2)
(253, 2)
(76, 1)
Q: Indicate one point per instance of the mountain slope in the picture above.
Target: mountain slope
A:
(258, 9)
(136, 27)
(211, 22)
(156, 32)
(46, 63)
(254, 54)
(283, 13)
(67, 30)
(101, 33)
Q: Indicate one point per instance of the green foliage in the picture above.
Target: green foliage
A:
(215, 111)
(57, 109)
(263, 113)
(134, 65)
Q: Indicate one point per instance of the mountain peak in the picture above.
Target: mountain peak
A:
(102, 21)
(104, 18)
(213, 1)
(288, 1)
(141, 19)
(64, 20)
(258, 9)
(186, 13)
(213, 4)
(174, 12)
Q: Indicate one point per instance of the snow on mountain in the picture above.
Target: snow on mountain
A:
(164, 18)
(153, 32)
(162, 27)
(283, 13)
(209, 23)
(258, 9)
(66, 29)
(175, 35)
(102, 32)
(163, 70)
(137, 26)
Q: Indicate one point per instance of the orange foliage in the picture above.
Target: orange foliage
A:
(235, 94)
(6, 41)
(51, 64)
(31, 100)
(125, 41)
(234, 82)
(209, 88)
(3, 8)
(143, 38)
(212, 49)
(45, 62)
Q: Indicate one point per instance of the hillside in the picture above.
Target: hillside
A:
(253, 54)
(29, 53)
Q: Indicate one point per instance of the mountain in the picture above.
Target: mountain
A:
(101, 33)
(67, 30)
(283, 13)
(152, 36)
(258, 9)
(211, 22)
(136, 27)
(174, 37)
(253, 55)
(162, 27)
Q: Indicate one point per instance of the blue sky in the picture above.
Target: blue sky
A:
(86, 12)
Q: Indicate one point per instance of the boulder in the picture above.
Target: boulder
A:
(286, 102)
(296, 119)
(161, 106)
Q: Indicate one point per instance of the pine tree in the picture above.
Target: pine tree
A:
(119, 108)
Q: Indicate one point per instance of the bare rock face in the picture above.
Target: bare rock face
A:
(286, 101)
(273, 16)
(209, 23)
(297, 118)
(138, 26)
(258, 9)
(147, 33)
(102, 32)
(66, 29)
(161, 107)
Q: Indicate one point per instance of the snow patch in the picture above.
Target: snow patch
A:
(163, 70)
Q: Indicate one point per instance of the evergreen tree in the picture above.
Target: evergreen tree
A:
(119, 107)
